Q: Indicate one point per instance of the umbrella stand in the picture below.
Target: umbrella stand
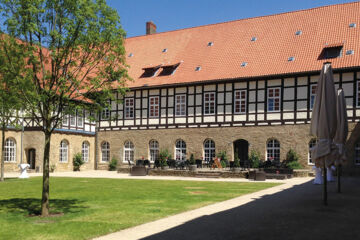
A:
(325, 186)
(338, 178)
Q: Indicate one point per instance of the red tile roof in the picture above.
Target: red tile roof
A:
(232, 45)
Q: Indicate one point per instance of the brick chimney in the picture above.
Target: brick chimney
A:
(150, 28)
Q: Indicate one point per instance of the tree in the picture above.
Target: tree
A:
(75, 59)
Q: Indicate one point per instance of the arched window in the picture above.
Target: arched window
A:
(10, 150)
(105, 152)
(180, 150)
(273, 150)
(209, 150)
(154, 150)
(63, 151)
(312, 144)
(357, 153)
(128, 151)
(85, 151)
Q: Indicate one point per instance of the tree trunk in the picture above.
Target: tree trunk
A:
(2, 152)
(46, 178)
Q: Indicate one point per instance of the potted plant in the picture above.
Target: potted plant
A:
(113, 164)
(77, 161)
(192, 165)
(163, 157)
(236, 166)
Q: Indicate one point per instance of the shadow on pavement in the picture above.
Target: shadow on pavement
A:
(295, 213)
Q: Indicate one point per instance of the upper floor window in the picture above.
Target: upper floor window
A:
(154, 150)
(357, 153)
(273, 99)
(273, 150)
(331, 51)
(129, 108)
(72, 120)
(150, 71)
(209, 150)
(10, 150)
(209, 103)
(128, 151)
(105, 152)
(240, 101)
(80, 118)
(154, 107)
(65, 121)
(312, 95)
(180, 150)
(312, 144)
(180, 105)
(63, 151)
(105, 113)
(85, 150)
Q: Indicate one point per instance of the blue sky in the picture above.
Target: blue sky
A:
(177, 14)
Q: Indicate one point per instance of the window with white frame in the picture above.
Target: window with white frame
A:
(154, 150)
(209, 150)
(180, 150)
(72, 120)
(273, 99)
(105, 113)
(105, 152)
(64, 147)
(209, 103)
(128, 151)
(154, 106)
(80, 118)
(129, 108)
(10, 150)
(357, 153)
(65, 121)
(85, 150)
(240, 101)
(312, 144)
(312, 95)
(273, 150)
(180, 105)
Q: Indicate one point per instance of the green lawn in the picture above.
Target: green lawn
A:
(94, 207)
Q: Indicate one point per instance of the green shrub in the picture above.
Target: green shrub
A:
(78, 161)
(163, 156)
(254, 159)
(113, 164)
(294, 165)
(192, 160)
(292, 156)
(223, 157)
(236, 160)
(223, 164)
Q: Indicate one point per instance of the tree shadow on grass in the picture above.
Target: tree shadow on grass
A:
(32, 206)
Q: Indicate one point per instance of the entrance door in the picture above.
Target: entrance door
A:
(241, 148)
(31, 158)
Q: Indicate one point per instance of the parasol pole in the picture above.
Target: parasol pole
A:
(338, 178)
(325, 185)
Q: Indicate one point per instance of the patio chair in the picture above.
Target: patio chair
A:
(198, 163)
(146, 163)
(157, 163)
(131, 163)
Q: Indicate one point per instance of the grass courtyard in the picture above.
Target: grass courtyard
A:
(89, 207)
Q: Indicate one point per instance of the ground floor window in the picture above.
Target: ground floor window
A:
(105, 152)
(312, 144)
(154, 150)
(63, 151)
(273, 150)
(10, 150)
(180, 150)
(209, 150)
(85, 151)
(128, 151)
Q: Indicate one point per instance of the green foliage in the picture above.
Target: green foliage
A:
(78, 161)
(292, 156)
(294, 165)
(223, 164)
(52, 168)
(113, 164)
(192, 160)
(223, 156)
(164, 155)
(236, 161)
(254, 158)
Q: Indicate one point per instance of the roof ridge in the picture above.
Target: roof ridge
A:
(243, 19)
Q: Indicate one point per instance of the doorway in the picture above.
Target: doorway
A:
(241, 148)
(31, 158)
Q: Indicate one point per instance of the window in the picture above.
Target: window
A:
(330, 52)
(128, 151)
(168, 70)
(180, 150)
(298, 33)
(80, 118)
(10, 150)
(65, 121)
(105, 113)
(350, 52)
(210, 44)
(312, 95)
(209, 150)
(244, 64)
(85, 151)
(240, 101)
(291, 59)
(129, 108)
(154, 107)
(149, 72)
(63, 151)
(312, 144)
(253, 39)
(72, 120)
(198, 68)
(209, 103)
(180, 105)
(357, 153)
(273, 99)
(154, 150)
(273, 150)
(105, 152)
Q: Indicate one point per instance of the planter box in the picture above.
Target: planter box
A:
(193, 168)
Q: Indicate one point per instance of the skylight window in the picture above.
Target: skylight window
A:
(168, 70)
(331, 51)
(299, 32)
(131, 54)
(352, 25)
(350, 52)
(210, 44)
(253, 39)
(149, 72)
(291, 59)
(164, 50)
(198, 68)
(244, 64)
